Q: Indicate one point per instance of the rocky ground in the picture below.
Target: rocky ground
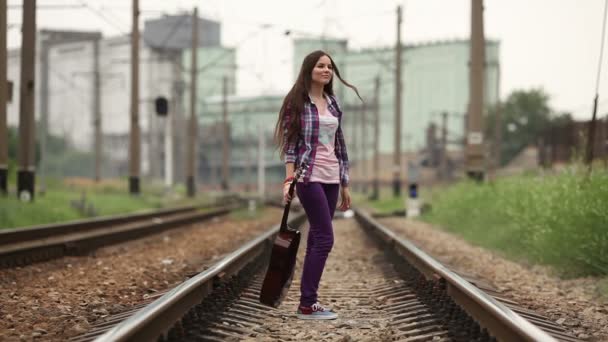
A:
(59, 299)
(574, 303)
(55, 300)
(351, 273)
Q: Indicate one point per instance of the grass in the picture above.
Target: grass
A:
(558, 220)
(108, 197)
(244, 214)
(385, 204)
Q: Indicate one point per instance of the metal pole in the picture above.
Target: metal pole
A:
(169, 147)
(497, 123)
(443, 162)
(261, 162)
(97, 111)
(397, 154)
(192, 127)
(170, 120)
(44, 111)
(474, 147)
(355, 153)
(27, 130)
(3, 101)
(376, 190)
(248, 142)
(364, 162)
(591, 133)
(225, 136)
(431, 143)
(178, 139)
(135, 137)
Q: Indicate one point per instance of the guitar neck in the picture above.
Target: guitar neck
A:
(287, 206)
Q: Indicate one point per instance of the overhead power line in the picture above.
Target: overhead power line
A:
(103, 17)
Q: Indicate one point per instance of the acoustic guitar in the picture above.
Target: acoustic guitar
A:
(283, 258)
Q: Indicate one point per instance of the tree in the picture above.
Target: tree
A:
(525, 117)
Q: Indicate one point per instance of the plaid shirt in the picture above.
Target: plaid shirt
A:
(305, 148)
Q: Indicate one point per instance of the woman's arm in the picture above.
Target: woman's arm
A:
(289, 173)
(289, 170)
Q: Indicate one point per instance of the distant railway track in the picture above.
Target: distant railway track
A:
(20, 247)
(399, 292)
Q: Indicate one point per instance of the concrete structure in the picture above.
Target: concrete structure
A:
(435, 79)
(164, 59)
(248, 117)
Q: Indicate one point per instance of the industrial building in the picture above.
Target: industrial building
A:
(434, 74)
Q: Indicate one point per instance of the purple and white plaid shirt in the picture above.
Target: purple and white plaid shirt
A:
(305, 148)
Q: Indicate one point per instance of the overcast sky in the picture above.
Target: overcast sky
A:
(553, 44)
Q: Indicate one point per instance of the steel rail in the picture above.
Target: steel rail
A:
(75, 238)
(158, 317)
(77, 226)
(501, 322)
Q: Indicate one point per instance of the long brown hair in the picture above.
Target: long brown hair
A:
(293, 104)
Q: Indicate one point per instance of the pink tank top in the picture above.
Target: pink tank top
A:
(326, 169)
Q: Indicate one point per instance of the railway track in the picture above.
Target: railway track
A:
(20, 247)
(382, 286)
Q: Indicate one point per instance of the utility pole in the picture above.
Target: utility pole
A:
(178, 139)
(193, 126)
(226, 136)
(27, 130)
(44, 112)
(474, 143)
(376, 190)
(397, 155)
(261, 162)
(443, 162)
(3, 101)
(97, 111)
(364, 161)
(171, 119)
(355, 153)
(497, 123)
(135, 136)
(591, 133)
(248, 143)
(168, 144)
(589, 155)
(431, 144)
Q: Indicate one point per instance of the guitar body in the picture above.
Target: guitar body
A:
(281, 267)
(283, 257)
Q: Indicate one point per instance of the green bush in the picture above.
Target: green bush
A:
(559, 220)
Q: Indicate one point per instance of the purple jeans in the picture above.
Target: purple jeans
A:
(319, 201)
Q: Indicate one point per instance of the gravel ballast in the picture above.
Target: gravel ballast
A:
(574, 303)
(55, 300)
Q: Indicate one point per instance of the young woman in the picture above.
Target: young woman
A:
(309, 131)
